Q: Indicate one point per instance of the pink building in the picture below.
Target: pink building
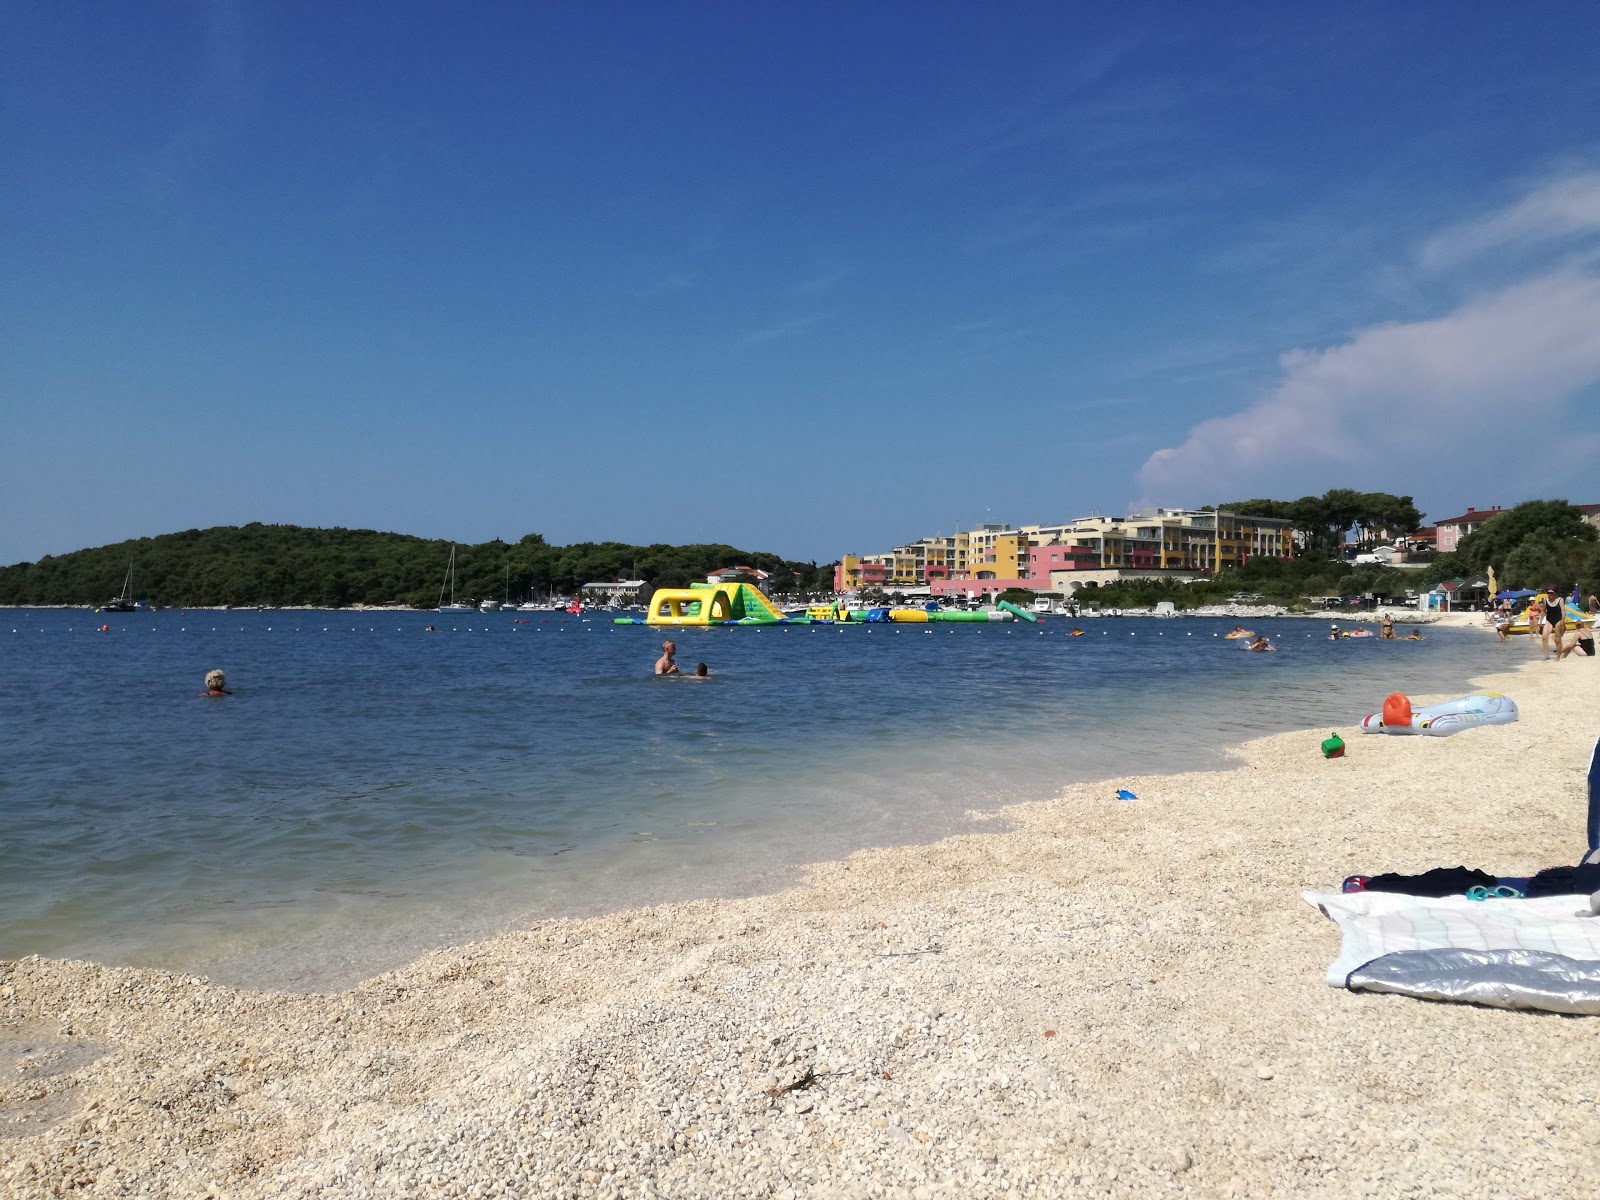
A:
(1453, 529)
(1044, 559)
(983, 589)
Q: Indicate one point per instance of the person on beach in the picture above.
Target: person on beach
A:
(1555, 618)
(1581, 638)
(1261, 644)
(1386, 627)
(214, 684)
(1503, 620)
(667, 664)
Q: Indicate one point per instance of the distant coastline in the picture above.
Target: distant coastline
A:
(292, 566)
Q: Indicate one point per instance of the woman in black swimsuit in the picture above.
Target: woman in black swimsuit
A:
(1554, 619)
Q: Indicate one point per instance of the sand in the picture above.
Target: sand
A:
(1086, 997)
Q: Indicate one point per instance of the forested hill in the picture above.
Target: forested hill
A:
(280, 565)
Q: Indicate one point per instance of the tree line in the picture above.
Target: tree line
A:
(281, 565)
(1533, 545)
(1322, 522)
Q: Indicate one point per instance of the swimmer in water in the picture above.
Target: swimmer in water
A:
(215, 681)
(667, 664)
(1261, 644)
(701, 671)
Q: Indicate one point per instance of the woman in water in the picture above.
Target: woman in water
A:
(215, 681)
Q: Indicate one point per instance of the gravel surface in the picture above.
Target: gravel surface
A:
(1102, 998)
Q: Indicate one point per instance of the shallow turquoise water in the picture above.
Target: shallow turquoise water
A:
(371, 790)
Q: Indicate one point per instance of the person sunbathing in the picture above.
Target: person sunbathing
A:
(1581, 638)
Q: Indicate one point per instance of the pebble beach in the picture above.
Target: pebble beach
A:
(1085, 996)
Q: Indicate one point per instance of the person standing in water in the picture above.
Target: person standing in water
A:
(667, 664)
(215, 681)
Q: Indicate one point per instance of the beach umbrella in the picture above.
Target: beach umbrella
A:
(1492, 588)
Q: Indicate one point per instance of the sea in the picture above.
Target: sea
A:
(372, 790)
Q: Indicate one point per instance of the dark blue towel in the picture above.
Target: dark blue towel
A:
(1594, 799)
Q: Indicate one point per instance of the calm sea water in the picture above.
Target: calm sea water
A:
(372, 790)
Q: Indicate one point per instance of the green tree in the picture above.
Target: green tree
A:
(286, 564)
(1570, 539)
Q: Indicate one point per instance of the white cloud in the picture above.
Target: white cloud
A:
(1465, 392)
(1558, 209)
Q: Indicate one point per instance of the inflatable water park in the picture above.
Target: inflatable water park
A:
(742, 604)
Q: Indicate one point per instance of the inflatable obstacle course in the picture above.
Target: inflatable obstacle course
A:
(740, 604)
(709, 604)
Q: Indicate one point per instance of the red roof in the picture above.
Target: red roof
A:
(1473, 516)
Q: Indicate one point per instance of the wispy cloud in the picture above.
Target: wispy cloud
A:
(670, 284)
(782, 330)
(821, 283)
(1457, 388)
(1557, 209)
(221, 92)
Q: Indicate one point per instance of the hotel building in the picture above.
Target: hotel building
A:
(1089, 552)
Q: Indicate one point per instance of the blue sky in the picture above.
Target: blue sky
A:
(811, 278)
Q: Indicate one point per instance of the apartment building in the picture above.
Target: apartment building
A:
(1453, 529)
(993, 557)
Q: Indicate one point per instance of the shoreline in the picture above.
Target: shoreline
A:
(1195, 1048)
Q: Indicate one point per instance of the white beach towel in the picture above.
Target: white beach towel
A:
(1509, 953)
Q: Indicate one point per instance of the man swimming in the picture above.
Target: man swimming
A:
(667, 664)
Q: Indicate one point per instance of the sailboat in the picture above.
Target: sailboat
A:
(124, 602)
(450, 582)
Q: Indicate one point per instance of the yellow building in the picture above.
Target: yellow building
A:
(1172, 539)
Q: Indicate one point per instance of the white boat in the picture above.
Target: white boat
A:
(489, 606)
(450, 582)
